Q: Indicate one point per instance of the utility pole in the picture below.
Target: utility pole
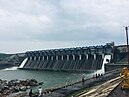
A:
(126, 30)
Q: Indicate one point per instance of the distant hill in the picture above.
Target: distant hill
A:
(12, 59)
(4, 56)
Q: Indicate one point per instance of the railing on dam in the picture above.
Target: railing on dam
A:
(80, 58)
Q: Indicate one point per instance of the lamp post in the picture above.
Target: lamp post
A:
(126, 30)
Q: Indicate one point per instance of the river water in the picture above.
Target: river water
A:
(49, 78)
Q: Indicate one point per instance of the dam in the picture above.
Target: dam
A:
(68, 59)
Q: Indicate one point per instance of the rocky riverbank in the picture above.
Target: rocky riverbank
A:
(16, 86)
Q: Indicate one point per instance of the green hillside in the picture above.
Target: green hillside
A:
(3, 56)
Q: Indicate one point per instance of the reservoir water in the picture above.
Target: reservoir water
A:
(49, 78)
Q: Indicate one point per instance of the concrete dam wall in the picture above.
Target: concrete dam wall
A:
(68, 59)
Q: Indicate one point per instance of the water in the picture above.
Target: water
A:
(49, 78)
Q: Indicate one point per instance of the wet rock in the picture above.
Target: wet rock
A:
(28, 82)
(31, 83)
(23, 88)
(34, 80)
(15, 86)
(13, 82)
(24, 83)
(41, 83)
(16, 89)
(28, 87)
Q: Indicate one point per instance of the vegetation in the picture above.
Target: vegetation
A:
(4, 56)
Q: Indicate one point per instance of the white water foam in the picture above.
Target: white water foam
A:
(11, 68)
(102, 70)
(23, 63)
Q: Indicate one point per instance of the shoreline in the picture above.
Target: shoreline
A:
(68, 89)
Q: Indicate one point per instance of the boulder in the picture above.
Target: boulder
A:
(15, 86)
(23, 88)
(40, 83)
(13, 82)
(34, 80)
(24, 83)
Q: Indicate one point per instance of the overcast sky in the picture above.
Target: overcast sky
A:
(48, 24)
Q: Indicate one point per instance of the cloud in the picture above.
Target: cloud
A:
(48, 23)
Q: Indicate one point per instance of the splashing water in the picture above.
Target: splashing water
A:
(11, 68)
